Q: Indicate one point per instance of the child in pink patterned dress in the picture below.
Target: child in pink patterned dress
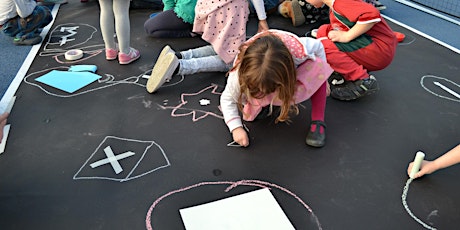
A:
(277, 68)
(223, 25)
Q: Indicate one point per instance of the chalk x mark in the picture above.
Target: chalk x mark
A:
(112, 159)
(149, 148)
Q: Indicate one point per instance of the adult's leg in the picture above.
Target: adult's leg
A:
(167, 24)
(28, 27)
(122, 24)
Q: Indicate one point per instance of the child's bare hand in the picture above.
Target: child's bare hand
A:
(338, 36)
(240, 136)
(427, 167)
(263, 26)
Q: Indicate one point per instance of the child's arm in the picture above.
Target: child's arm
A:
(448, 159)
(261, 15)
(229, 106)
(315, 47)
(354, 32)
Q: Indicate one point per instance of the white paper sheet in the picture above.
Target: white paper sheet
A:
(253, 210)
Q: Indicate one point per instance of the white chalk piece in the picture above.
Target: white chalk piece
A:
(417, 162)
(73, 55)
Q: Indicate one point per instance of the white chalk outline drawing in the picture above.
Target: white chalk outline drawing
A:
(193, 112)
(71, 28)
(232, 184)
(108, 81)
(128, 177)
(450, 91)
(404, 202)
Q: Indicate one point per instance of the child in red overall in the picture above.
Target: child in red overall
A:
(356, 41)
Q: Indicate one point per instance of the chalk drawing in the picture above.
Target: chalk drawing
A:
(112, 159)
(181, 109)
(142, 158)
(404, 202)
(232, 184)
(441, 87)
(69, 36)
(106, 81)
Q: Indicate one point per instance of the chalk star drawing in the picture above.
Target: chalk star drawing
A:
(231, 185)
(138, 157)
(441, 87)
(186, 106)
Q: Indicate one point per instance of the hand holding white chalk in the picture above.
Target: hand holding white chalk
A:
(417, 162)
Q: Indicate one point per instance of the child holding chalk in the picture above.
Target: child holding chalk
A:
(357, 40)
(448, 159)
(277, 68)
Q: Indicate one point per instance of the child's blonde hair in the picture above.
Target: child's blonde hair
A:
(266, 66)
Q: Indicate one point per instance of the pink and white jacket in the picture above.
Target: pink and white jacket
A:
(312, 72)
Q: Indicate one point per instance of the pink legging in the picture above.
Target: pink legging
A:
(318, 105)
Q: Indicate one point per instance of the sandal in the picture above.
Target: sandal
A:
(316, 138)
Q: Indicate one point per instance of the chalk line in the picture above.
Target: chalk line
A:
(404, 202)
(232, 184)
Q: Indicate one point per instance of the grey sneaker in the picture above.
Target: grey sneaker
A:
(352, 90)
(162, 71)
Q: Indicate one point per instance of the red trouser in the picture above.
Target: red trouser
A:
(355, 65)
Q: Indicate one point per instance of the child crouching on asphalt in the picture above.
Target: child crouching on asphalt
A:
(277, 68)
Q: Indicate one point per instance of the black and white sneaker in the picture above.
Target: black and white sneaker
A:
(352, 90)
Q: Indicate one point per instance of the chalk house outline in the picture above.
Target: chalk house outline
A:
(149, 148)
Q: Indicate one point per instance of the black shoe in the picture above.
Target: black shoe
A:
(352, 90)
(22, 41)
(336, 80)
(379, 5)
(316, 138)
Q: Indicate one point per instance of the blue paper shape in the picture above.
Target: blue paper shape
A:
(68, 81)
(81, 68)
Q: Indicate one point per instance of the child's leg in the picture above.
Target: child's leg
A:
(318, 106)
(202, 64)
(107, 21)
(316, 136)
(122, 27)
(203, 51)
(167, 25)
(342, 62)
